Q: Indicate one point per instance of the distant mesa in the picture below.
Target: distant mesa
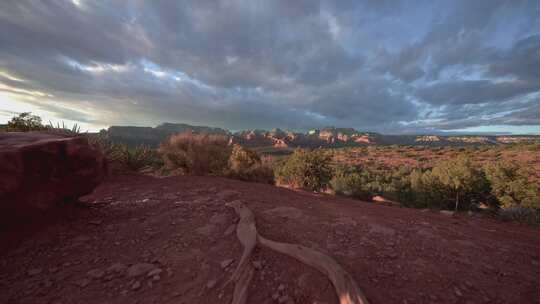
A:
(148, 136)
(428, 138)
(278, 138)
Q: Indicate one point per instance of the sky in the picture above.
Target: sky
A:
(375, 65)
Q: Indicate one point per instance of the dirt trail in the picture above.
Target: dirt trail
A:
(173, 240)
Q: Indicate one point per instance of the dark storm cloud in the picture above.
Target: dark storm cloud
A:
(377, 65)
(521, 61)
(474, 91)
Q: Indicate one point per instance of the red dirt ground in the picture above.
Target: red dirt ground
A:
(180, 230)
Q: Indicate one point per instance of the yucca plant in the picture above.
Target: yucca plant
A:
(63, 129)
(136, 158)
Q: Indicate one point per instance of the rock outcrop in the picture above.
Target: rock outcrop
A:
(38, 170)
(327, 137)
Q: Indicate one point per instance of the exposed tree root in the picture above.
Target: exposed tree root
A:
(242, 284)
(246, 231)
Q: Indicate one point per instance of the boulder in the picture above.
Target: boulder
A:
(38, 170)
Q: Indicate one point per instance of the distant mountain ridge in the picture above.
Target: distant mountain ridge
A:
(324, 137)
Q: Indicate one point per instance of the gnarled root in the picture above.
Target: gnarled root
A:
(246, 231)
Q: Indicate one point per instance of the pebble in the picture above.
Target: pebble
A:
(230, 229)
(116, 267)
(226, 263)
(284, 299)
(83, 282)
(95, 273)
(211, 284)
(139, 269)
(154, 272)
(34, 271)
(136, 285)
(47, 284)
(257, 264)
(81, 239)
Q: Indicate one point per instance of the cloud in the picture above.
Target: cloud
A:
(474, 91)
(377, 65)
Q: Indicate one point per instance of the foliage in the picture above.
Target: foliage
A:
(346, 181)
(245, 164)
(198, 154)
(450, 181)
(510, 185)
(100, 143)
(459, 180)
(63, 129)
(520, 214)
(25, 122)
(308, 169)
(134, 158)
(425, 190)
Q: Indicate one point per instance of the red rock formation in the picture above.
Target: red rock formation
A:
(38, 170)
(280, 143)
(363, 139)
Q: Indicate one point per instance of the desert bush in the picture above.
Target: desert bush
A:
(345, 181)
(134, 158)
(529, 216)
(460, 182)
(100, 143)
(198, 154)
(245, 164)
(534, 147)
(25, 122)
(308, 169)
(426, 190)
(510, 185)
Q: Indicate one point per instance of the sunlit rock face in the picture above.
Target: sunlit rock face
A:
(39, 170)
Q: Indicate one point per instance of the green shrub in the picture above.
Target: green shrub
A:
(308, 169)
(427, 191)
(510, 185)
(520, 214)
(346, 181)
(198, 154)
(245, 164)
(25, 122)
(136, 158)
(460, 182)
